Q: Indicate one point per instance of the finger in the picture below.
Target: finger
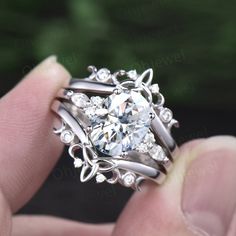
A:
(52, 226)
(29, 150)
(198, 198)
(5, 217)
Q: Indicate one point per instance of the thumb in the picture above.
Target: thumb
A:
(198, 198)
(209, 193)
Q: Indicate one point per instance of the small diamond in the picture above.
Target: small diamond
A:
(80, 100)
(154, 88)
(100, 178)
(149, 138)
(97, 101)
(103, 75)
(142, 147)
(132, 74)
(101, 112)
(67, 136)
(166, 115)
(90, 112)
(128, 179)
(69, 93)
(157, 153)
(78, 162)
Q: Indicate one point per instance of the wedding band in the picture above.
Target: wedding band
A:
(120, 125)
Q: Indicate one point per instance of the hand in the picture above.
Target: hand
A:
(198, 198)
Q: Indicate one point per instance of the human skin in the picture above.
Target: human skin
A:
(198, 197)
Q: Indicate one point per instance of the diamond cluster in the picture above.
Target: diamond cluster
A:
(148, 145)
(120, 123)
(116, 124)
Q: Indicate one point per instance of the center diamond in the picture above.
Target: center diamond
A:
(123, 125)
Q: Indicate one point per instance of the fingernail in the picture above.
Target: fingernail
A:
(49, 61)
(43, 65)
(209, 192)
(50, 69)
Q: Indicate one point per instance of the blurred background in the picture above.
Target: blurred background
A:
(191, 45)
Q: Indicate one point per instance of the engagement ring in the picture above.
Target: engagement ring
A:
(117, 127)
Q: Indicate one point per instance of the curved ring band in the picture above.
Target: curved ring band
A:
(81, 85)
(90, 111)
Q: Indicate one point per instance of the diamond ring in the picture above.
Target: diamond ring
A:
(116, 127)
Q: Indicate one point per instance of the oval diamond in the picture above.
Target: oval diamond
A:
(125, 124)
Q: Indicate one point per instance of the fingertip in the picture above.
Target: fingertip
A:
(209, 191)
(27, 122)
(162, 207)
(50, 69)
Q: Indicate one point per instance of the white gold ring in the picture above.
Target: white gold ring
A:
(119, 123)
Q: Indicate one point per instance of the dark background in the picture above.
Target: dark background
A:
(191, 45)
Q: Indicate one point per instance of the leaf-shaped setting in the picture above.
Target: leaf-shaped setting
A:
(145, 77)
(85, 175)
(88, 155)
(128, 84)
(146, 93)
(105, 165)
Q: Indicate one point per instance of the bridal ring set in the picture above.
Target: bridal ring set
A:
(117, 127)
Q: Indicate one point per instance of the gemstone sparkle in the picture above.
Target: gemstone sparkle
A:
(128, 179)
(79, 99)
(67, 136)
(103, 75)
(166, 115)
(100, 178)
(124, 125)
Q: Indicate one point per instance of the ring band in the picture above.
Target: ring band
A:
(122, 128)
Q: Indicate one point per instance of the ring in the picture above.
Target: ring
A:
(116, 127)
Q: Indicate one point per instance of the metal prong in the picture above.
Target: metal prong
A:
(69, 93)
(92, 69)
(124, 154)
(121, 72)
(117, 91)
(152, 115)
(89, 129)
